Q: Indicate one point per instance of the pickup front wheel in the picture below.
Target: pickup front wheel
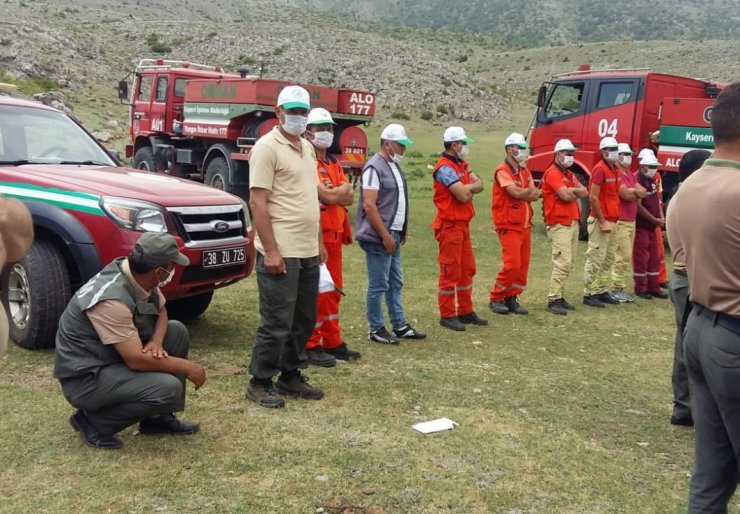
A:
(189, 307)
(35, 292)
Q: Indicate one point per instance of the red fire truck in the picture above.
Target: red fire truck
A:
(634, 106)
(196, 121)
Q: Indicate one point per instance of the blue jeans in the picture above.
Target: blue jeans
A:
(384, 278)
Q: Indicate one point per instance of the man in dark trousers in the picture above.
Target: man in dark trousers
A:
(118, 358)
(678, 288)
(706, 215)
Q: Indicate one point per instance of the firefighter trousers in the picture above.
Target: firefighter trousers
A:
(663, 277)
(327, 333)
(646, 261)
(564, 242)
(623, 254)
(602, 247)
(456, 268)
(516, 251)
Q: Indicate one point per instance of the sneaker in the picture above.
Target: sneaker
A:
(318, 357)
(513, 304)
(343, 353)
(556, 307)
(498, 307)
(644, 295)
(567, 306)
(452, 323)
(659, 294)
(382, 336)
(622, 296)
(593, 301)
(264, 394)
(294, 384)
(409, 332)
(473, 319)
(606, 297)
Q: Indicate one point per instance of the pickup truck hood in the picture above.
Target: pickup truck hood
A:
(119, 182)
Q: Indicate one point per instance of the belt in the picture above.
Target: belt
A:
(725, 321)
(680, 272)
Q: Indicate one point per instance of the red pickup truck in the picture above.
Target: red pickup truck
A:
(88, 208)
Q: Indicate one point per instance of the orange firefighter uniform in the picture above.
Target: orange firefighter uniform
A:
(452, 232)
(512, 219)
(336, 231)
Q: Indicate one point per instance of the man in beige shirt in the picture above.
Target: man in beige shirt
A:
(705, 215)
(284, 200)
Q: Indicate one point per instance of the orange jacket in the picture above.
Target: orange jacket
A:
(609, 192)
(508, 212)
(450, 208)
(333, 217)
(558, 212)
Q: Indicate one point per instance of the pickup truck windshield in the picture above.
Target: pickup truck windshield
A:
(39, 136)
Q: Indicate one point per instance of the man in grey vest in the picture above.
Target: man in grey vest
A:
(380, 228)
(118, 358)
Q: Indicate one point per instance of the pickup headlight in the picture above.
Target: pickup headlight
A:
(134, 214)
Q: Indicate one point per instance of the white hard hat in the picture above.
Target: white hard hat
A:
(624, 148)
(516, 139)
(320, 116)
(396, 132)
(453, 134)
(294, 97)
(646, 151)
(648, 159)
(564, 145)
(608, 142)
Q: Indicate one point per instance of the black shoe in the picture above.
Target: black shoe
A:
(264, 394)
(473, 319)
(294, 384)
(498, 307)
(343, 353)
(567, 306)
(452, 323)
(663, 285)
(382, 336)
(409, 332)
(682, 421)
(659, 294)
(318, 357)
(593, 301)
(644, 295)
(556, 307)
(608, 298)
(167, 424)
(90, 435)
(513, 305)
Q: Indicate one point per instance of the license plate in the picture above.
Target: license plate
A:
(223, 257)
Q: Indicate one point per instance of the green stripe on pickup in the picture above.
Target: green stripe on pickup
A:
(693, 137)
(70, 200)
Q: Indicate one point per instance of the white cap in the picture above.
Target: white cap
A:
(320, 116)
(624, 148)
(454, 134)
(646, 151)
(396, 132)
(294, 97)
(516, 139)
(564, 145)
(608, 142)
(648, 158)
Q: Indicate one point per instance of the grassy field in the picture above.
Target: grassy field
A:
(556, 414)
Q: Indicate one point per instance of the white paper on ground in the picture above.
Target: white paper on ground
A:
(326, 284)
(436, 425)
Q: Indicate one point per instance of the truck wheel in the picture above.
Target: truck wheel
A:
(217, 174)
(144, 159)
(189, 307)
(35, 292)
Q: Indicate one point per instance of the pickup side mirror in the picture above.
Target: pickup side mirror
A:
(113, 153)
(122, 91)
(541, 94)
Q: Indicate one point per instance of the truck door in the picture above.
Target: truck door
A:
(159, 106)
(141, 116)
(561, 117)
(612, 110)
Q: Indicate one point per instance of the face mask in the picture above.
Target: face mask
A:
(522, 155)
(626, 160)
(650, 173)
(568, 160)
(166, 281)
(295, 125)
(323, 140)
(397, 158)
(464, 151)
(612, 156)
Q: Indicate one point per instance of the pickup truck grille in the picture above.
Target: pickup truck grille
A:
(209, 225)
